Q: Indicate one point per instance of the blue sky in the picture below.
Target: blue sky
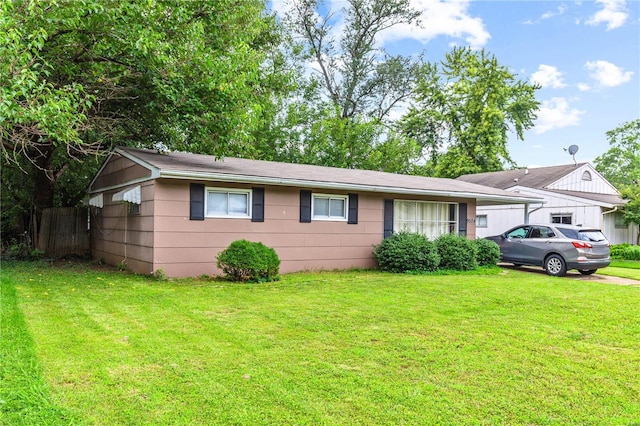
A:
(584, 54)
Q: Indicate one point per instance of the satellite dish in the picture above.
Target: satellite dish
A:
(572, 150)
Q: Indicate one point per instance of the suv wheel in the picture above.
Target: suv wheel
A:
(555, 266)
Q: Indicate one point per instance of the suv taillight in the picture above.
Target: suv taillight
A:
(581, 244)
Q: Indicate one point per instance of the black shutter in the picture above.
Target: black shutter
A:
(353, 209)
(305, 206)
(388, 218)
(196, 203)
(257, 205)
(462, 219)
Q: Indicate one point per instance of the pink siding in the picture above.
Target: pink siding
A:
(119, 170)
(183, 247)
(186, 248)
(117, 236)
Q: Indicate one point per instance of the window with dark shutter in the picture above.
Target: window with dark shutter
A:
(462, 218)
(353, 209)
(388, 218)
(305, 206)
(257, 208)
(196, 201)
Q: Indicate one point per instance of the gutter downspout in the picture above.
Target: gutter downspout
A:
(528, 212)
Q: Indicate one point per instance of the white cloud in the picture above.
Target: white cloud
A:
(561, 9)
(613, 13)
(608, 74)
(584, 87)
(548, 76)
(448, 18)
(556, 113)
(547, 15)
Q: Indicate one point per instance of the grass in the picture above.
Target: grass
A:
(365, 348)
(623, 269)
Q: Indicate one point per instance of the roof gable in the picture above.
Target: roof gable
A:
(558, 178)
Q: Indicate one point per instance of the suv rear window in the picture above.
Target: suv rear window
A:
(595, 236)
(587, 235)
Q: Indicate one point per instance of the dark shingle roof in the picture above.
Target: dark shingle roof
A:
(205, 167)
(538, 177)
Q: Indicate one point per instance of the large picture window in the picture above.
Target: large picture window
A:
(223, 202)
(431, 219)
(329, 207)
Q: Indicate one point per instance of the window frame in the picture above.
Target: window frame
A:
(561, 216)
(486, 221)
(345, 212)
(452, 225)
(227, 191)
(133, 209)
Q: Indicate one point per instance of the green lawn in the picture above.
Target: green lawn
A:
(623, 269)
(82, 346)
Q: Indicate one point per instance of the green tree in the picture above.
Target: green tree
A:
(342, 114)
(465, 108)
(621, 166)
(621, 163)
(79, 77)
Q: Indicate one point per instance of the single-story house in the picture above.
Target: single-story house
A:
(573, 194)
(176, 211)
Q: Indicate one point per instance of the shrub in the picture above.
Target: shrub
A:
(22, 251)
(488, 253)
(246, 261)
(456, 252)
(406, 251)
(625, 252)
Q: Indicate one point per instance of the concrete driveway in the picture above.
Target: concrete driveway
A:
(575, 275)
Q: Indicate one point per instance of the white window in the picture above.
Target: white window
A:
(586, 175)
(481, 221)
(329, 207)
(425, 217)
(226, 202)
(563, 218)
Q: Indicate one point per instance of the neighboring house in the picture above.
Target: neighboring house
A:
(574, 194)
(177, 211)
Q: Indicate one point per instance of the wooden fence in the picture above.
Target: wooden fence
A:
(64, 231)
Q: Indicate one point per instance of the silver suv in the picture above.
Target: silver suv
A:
(556, 248)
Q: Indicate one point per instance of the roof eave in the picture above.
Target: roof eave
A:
(486, 199)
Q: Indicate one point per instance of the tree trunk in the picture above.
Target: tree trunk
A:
(44, 186)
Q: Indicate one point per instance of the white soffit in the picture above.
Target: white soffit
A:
(131, 195)
(97, 201)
